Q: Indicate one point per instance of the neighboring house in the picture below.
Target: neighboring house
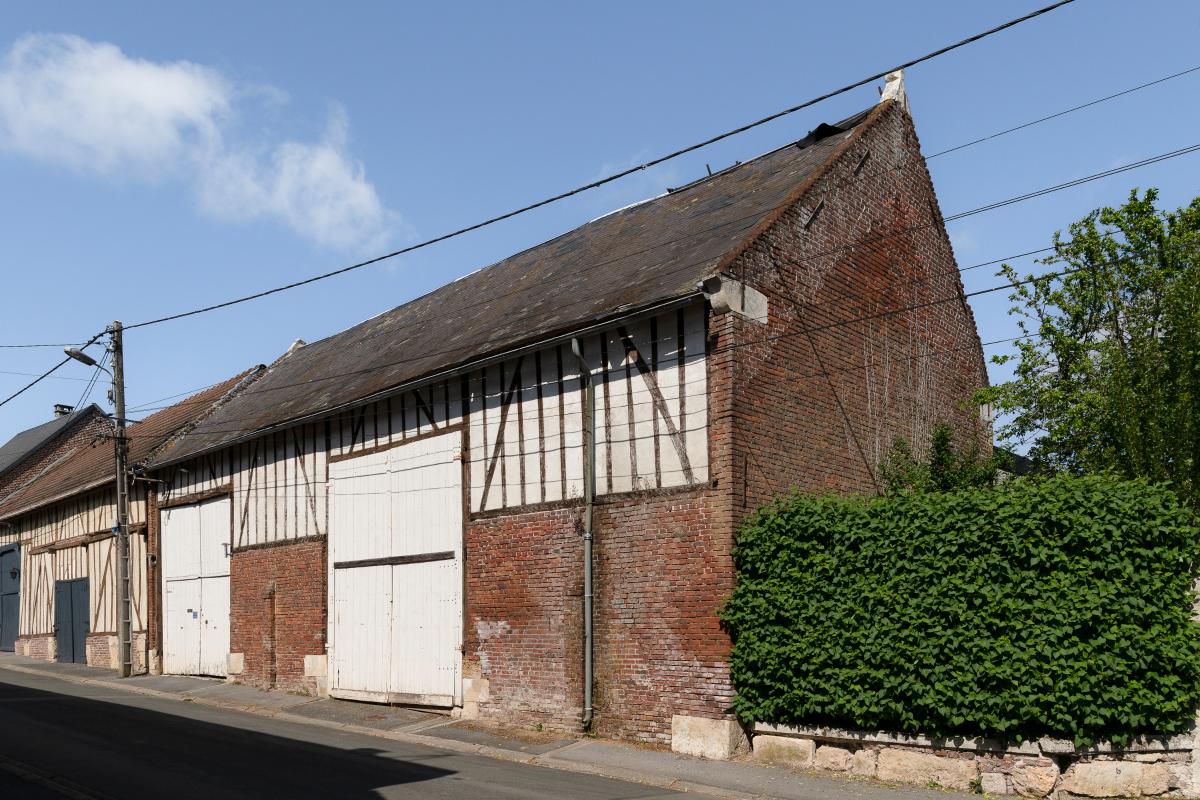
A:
(402, 503)
(64, 515)
(23, 458)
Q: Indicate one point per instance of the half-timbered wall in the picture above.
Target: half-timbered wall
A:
(524, 423)
(73, 539)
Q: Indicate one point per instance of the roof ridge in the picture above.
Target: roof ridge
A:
(868, 119)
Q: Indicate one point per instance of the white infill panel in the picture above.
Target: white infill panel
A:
(195, 562)
(396, 563)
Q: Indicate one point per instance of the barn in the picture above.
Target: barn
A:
(63, 515)
(515, 497)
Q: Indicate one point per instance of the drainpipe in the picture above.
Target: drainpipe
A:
(589, 502)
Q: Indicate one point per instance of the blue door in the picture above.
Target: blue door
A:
(71, 620)
(10, 595)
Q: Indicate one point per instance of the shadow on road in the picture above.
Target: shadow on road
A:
(124, 751)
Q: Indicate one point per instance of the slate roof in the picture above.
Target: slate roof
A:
(24, 443)
(653, 252)
(93, 464)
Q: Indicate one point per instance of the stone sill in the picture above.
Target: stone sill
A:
(1043, 746)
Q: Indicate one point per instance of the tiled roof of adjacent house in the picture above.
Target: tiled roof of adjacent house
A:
(93, 464)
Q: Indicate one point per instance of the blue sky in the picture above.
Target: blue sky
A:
(261, 143)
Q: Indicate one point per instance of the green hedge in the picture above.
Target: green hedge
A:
(1058, 606)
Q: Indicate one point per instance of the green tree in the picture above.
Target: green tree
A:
(944, 468)
(1109, 375)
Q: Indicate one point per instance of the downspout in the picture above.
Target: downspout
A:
(589, 502)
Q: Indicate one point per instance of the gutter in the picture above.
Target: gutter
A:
(589, 504)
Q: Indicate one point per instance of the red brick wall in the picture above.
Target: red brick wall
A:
(523, 632)
(101, 650)
(82, 433)
(662, 569)
(277, 612)
(41, 647)
(820, 397)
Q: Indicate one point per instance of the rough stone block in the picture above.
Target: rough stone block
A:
(911, 766)
(316, 666)
(1035, 780)
(863, 763)
(708, 738)
(993, 783)
(836, 759)
(1102, 778)
(236, 663)
(784, 751)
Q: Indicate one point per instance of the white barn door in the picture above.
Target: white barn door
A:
(195, 565)
(395, 553)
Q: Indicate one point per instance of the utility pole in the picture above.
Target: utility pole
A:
(124, 635)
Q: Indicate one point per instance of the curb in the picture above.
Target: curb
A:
(547, 760)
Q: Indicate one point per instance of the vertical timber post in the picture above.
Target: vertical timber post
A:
(124, 634)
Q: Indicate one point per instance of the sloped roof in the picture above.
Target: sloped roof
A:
(94, 464)
(646, 254)
(24, 443)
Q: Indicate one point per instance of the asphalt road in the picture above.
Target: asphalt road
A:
(60, 739)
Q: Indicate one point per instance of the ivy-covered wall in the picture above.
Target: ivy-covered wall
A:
(1059, 606)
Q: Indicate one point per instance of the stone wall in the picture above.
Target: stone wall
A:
(1054, 768)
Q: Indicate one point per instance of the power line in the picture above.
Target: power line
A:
(1063, 113)
(51, 344)
(44, 375)
(615, 176)
(832, 251)
(725, 348)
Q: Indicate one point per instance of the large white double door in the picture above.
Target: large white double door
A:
(195, 569)
(395, 558)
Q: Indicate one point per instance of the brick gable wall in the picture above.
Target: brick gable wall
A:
(820, 399)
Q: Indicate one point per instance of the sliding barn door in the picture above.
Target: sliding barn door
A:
(195, 566)
(395, 552)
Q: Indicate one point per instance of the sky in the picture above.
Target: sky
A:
(156, 157)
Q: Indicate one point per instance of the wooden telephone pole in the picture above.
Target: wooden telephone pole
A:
(124, 615)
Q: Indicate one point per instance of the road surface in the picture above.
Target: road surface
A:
(61, 739)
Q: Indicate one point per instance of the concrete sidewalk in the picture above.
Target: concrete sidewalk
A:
(736, 779)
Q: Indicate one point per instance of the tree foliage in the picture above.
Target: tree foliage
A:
(944, 468)
(1056, 606)
(1110, 375)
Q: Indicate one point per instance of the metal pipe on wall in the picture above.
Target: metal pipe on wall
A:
(589, 500)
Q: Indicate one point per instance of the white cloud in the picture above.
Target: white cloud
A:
(88, 106)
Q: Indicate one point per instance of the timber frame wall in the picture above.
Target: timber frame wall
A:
(72, 538)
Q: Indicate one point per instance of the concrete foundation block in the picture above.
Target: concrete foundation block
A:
(784, 751)
(476, 690)
(236, 663)
(718, 739)
(316, 666)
